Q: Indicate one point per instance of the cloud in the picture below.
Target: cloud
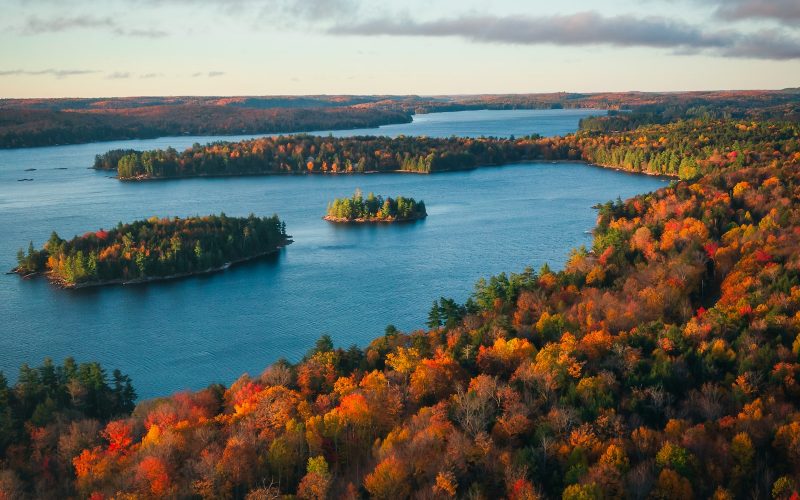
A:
(142, 33)
(784, 11)
(587, 29)
(209, 74)
(112, 17)
(37, 26)
(118, 75)
(151, 75)
(58, 73)
(320, 8)
(275, 8)
(765, 44)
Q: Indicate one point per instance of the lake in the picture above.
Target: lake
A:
(349, 282)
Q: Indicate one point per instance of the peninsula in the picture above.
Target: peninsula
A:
(677, 149)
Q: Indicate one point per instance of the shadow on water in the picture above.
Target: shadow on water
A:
(376, 226)
(270, 261)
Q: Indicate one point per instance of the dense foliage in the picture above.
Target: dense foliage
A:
(315, 154)
(45, 122)
(110, 159)
(375, 208)
(615, 121)
(683, 149)
(55, 410)
(686, 148)
(153, 248)
(663, 362)
(26, 127)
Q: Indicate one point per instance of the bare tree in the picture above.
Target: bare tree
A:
(640, 480)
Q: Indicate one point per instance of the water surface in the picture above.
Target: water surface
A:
(347, 281)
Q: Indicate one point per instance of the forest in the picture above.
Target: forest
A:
(375, 209)
(307, 154)
(47, 122)
(152, 249)
(681, 149)
(51, 403)
(685, 149)
(43, 126)
(662, 362)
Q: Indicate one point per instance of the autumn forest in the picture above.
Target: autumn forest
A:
(47, 122)
(153, 249)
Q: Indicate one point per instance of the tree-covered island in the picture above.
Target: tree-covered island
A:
(153, 249)
(375, 209)
(307, 154)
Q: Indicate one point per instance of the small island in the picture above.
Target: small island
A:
(153, 249)
(375, 209)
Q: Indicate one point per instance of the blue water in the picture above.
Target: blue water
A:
(349, 282)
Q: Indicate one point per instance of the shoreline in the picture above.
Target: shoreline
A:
(144, 178)
(373, 220)
(140, 281)
(399, 171)
(635, 172)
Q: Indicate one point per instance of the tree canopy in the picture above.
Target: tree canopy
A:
(153, 248)
(375, 209)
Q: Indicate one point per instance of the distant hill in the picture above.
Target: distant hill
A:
(47, 122)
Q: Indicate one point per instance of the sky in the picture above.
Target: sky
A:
(104, 48)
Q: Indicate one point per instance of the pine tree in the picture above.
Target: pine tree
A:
(434, 316)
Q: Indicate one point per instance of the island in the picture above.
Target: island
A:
(375, 209)
(309, 154)
(153, 249)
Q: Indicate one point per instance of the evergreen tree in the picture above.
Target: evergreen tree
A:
(434, 317)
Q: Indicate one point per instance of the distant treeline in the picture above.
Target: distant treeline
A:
(153, 249)
(47, 122)
(21, 128)
(656, 107)
(616, 121)
(375, 208)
